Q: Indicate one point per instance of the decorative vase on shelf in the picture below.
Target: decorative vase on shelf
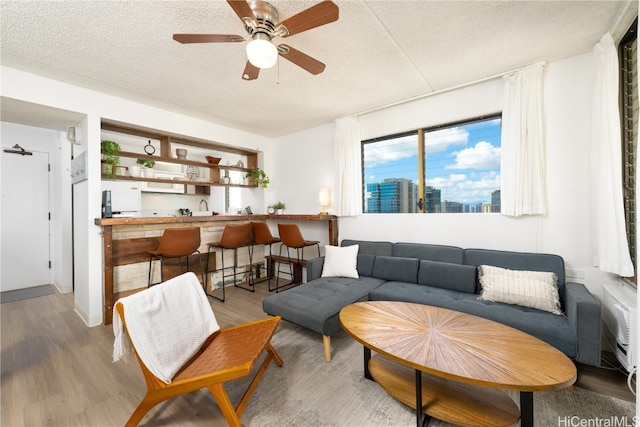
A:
(135, 171)
(181, 153)
(192, 172)
(149, 172)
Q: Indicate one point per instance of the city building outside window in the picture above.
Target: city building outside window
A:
(454, 168)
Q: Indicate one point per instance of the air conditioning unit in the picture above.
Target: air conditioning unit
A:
(619, 315)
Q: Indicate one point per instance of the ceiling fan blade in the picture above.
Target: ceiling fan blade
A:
(315, 16)
(302, 60)
(250, 72)
(207, 38)
(242, 9)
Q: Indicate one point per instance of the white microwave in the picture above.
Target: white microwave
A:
(164, 187)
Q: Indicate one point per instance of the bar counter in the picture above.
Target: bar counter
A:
(126, 242)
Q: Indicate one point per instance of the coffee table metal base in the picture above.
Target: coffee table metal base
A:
(446, 400)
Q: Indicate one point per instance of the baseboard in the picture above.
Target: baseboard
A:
(63, 289)
(89, 321)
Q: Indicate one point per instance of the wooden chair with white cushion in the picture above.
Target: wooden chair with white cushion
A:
(181, 348)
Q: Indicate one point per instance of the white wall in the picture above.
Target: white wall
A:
(95, 106)
(565, 230)
(305, 164)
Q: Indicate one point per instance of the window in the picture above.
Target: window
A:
(446, 169)
(390, 168)
(629, 120)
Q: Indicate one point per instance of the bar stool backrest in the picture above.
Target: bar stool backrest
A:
(179, 242)
(291, 236)
(235, 235)
(261, 233)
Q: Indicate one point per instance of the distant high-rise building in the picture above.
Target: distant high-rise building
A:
(432, 203)
(392, 195)
(495, 201)
(451, 207)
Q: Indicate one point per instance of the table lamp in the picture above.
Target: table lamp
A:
(324, 197)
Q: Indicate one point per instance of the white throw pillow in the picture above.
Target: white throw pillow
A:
(340, 261)
(535, 289)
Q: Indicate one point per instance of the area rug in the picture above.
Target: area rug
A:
(20, 294)
(307, 391)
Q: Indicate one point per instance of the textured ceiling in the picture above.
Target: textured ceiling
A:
(377, 53)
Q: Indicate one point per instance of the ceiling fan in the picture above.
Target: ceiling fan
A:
(261, 21)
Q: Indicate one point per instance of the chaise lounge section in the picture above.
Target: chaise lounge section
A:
(443, 276)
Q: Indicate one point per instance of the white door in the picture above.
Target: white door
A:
(25, 221)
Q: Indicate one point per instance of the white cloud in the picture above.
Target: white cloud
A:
(482, 156)
(391, 150)
(441, 140)
(467, 188)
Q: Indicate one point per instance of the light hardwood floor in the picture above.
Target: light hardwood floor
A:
(56, 371)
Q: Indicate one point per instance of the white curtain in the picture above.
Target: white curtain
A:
(347, 143)
(522, 167)
(612, 253)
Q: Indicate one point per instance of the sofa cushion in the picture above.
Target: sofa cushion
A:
(396, 268)
(365, 264)
(554, 330)
(456, 277)
(316, 305)
(340, 262)
(518, 261)
(442, 253)
(373, 248)
(535, 289)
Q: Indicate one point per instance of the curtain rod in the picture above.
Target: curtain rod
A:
(438, 92)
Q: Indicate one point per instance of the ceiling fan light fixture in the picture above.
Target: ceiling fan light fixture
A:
(261, 52)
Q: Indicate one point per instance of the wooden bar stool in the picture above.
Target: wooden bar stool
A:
(177, 243)
(234, 236)
(262, 236)
(291, 238)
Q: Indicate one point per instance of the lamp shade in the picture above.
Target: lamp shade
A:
(262, 53)
(324, 197)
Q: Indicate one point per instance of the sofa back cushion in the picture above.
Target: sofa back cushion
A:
(445, 275)
(442, 253)
(396, 269)
(365, 264)
(519, 261)
(373, 248)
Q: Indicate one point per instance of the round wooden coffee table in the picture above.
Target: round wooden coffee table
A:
(454, 366)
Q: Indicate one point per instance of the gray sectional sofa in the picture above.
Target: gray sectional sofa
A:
(442, 276)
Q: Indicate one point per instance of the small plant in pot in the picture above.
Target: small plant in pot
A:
(111, 157)
(279, 207)
(148, 164)
(258, 176)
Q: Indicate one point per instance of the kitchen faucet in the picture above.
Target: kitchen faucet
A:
(206, 205)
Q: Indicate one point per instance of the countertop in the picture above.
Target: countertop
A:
(191, 219)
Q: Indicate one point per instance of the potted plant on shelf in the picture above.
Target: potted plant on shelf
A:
(279, 207)
(148, 165)
(258, 176)
(111, 157)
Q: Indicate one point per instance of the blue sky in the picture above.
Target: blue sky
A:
(462, 161)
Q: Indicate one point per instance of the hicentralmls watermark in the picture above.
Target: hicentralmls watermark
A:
(614, 421)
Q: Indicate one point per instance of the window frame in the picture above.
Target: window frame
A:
(420, 133)
(629, 136)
